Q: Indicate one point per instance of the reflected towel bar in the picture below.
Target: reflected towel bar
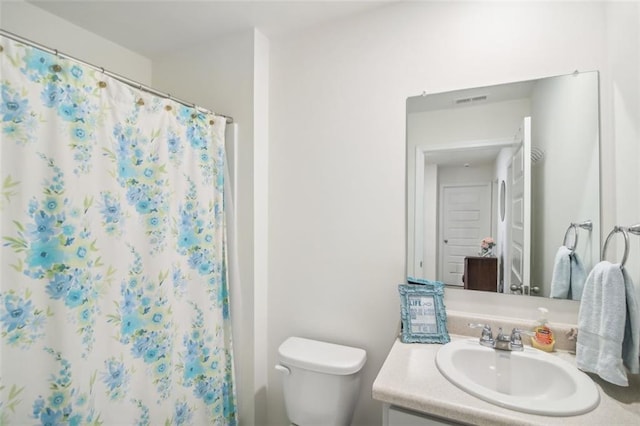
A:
(587, 224)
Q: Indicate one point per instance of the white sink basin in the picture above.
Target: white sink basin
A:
(530, 381)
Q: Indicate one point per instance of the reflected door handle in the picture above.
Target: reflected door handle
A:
(535, 289)
(284, 370)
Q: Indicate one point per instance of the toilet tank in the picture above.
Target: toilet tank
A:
(321, 384)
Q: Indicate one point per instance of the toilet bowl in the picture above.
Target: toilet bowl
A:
(321, 381)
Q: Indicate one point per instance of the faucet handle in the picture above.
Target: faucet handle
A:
(521, 331)
(486, 339)
(516, 338)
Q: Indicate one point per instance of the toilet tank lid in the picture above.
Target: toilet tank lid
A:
(322, 357)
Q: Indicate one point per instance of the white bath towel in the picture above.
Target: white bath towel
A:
(561, 278)
(601, 324)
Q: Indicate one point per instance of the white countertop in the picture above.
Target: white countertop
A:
(410, 379)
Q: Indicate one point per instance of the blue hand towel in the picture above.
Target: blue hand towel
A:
(561, 278)
(578, 277)
(601, 324)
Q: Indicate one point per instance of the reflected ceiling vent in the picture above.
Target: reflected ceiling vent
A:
(536, 155)
(470, 100)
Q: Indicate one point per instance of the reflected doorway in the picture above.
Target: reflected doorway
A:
(465, 219)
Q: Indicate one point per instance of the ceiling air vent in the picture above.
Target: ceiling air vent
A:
(473, 99)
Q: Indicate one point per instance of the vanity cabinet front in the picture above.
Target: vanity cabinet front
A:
(396, 416)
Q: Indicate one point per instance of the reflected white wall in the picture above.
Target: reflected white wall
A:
(431, 238)
(566, 180)
(455, 127)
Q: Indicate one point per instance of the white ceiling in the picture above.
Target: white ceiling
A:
(467, 157)
(152, 27)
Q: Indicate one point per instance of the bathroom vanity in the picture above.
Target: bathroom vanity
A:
(414, 392)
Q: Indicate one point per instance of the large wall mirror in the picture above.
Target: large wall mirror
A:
(497, 176)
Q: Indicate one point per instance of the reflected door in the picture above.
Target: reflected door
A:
(465, 221)
(520, 247)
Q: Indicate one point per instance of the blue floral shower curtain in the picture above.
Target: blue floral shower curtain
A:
(113, 299)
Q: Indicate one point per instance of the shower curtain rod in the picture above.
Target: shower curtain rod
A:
(118, 77)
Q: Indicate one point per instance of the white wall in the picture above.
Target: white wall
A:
(337, 154)
(621, 104)
(261, 222)
(35, 24)
(460, 175)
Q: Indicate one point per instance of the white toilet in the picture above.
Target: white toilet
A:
(321, 381)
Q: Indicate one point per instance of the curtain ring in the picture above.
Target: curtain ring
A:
(615, 230)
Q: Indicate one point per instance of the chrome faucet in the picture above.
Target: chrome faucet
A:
(502, 341)
(486, 339)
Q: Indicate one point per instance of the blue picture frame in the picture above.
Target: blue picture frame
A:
(423, 315)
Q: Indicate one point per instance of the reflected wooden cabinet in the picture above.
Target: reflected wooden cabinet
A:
(481, 273)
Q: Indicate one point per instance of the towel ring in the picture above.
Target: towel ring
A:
(635, 229)
(615, 230)
(575, 237)
(588, 225)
